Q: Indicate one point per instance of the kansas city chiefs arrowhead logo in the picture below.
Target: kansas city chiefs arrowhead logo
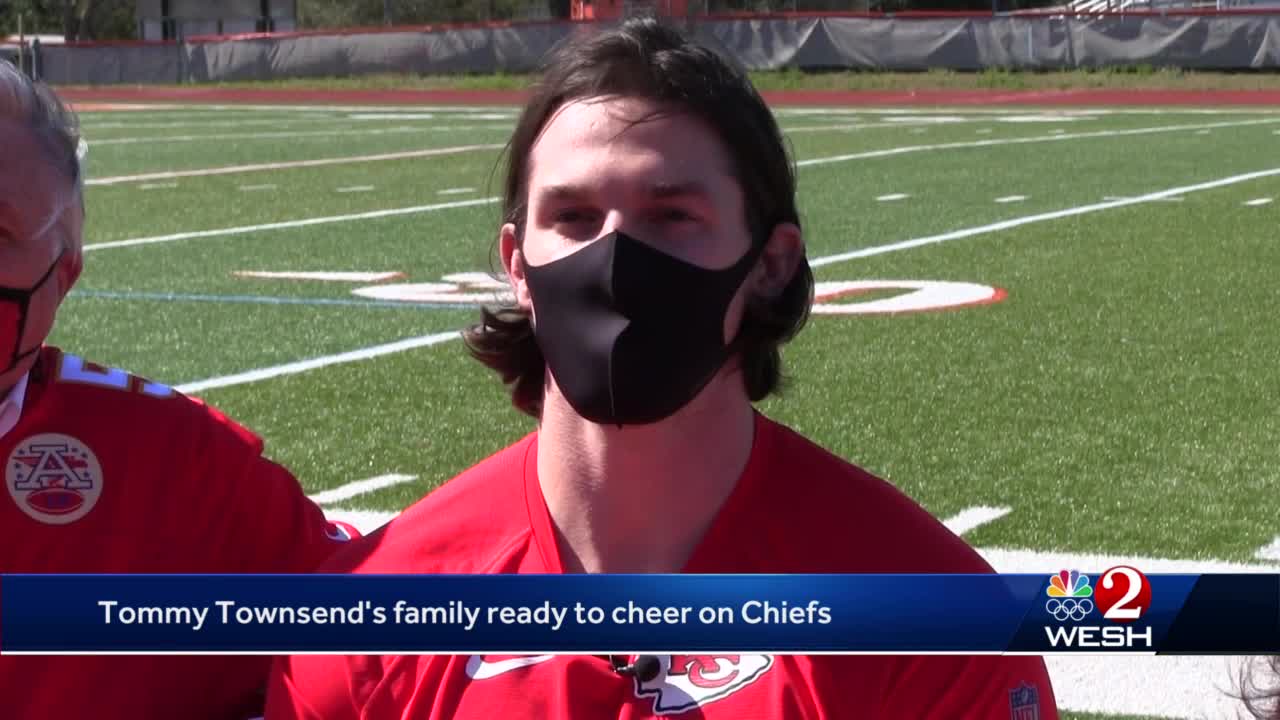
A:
(690, 681)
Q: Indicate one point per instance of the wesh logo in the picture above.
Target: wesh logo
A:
(1123, 595)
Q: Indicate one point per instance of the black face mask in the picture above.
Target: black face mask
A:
(630, 333)
(15, 304)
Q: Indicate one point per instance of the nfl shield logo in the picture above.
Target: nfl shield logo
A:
(1024, 703)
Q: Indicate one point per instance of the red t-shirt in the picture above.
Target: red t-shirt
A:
(796, 509)
(108, 473)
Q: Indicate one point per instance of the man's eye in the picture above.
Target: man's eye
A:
(572, 216)
(675, 215)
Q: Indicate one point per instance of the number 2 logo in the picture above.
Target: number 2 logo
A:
(1124, 594)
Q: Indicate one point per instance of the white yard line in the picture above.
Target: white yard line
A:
(292, 135)
(360, 487)
(366, 521)
(301, 366)
(319, 162)
(1271, 552)
(971, 519)
(305, 222)
(1039, 217)
(995, 142)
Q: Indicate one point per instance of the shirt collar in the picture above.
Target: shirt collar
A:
(11, 406)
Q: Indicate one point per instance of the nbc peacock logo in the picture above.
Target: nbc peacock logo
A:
(1069, 596)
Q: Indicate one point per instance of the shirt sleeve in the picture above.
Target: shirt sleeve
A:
(267, 524)
(983, 686)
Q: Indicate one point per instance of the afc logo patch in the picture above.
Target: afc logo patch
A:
(686, 682)
(53, 478)
(1024, 703)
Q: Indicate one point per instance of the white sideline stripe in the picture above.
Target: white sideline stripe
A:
(366, 521)
(294, 368)
(289, 224)
(251, 188)
(360, 487)
(93, 126)
(1163, 686)
(1270, 552)
(887, 109)
(893, 196)
(889, 152)
(233, 169)
(1011, 198)
(869, 126)
(1258, 201)
(355, 188)
(248, 136)
(973, 518)
(1032, 561)
(1014, 110)
(1040, 217)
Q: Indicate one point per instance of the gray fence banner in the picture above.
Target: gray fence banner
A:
(962, 43)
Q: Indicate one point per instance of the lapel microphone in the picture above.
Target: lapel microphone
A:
(644, 668)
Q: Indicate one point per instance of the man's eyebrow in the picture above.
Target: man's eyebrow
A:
(660, 191)
(679, 189)
(562, 192)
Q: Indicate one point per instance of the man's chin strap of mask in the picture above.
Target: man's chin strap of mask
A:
(22, 298)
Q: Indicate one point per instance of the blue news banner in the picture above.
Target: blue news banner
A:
(1118, 610)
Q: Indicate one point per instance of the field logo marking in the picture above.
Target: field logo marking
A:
(476, 288)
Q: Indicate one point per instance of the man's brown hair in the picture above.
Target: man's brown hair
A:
(647, 60)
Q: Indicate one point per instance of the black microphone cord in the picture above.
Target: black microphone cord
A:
(645, 667)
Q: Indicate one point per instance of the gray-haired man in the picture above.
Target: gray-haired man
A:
(106, 472)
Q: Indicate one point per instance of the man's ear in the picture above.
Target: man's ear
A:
(782, 254)
(513, 263)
